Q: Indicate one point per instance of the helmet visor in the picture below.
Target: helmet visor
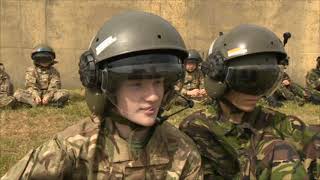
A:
(149, 66)
(259, 80)
(43, 57)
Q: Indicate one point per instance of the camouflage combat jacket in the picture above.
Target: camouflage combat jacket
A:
(41, 79)
(192, 80)
(76, 154)
(6, 88)
(292, 92)
(313, 79)
(295, 92)
(245, 151)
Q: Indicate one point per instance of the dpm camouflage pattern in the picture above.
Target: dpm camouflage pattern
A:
(90, 150)
(6, 90)
(267, 145)
(42, 82)
(285, 93)
(192, 80)
(295, 92)
(313, 79)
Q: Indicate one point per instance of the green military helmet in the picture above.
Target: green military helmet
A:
(132, 45)
(248, 39)
(136, 32)
(247, 59)
(43, 53)
(194, 56)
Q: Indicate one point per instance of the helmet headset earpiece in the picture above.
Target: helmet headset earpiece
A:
(215, 66)
(89, 73)
(214, 69)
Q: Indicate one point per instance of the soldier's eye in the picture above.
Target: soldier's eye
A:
(135, 84)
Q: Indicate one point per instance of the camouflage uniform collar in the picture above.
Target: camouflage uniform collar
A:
(262, 117)
(136, 136)
(248, 117)
(249, 120)
(155, 152)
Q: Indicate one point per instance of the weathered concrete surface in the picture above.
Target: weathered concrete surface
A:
(68, 26)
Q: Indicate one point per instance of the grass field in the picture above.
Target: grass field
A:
(25, 128)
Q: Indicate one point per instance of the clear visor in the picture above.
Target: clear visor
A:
(150, 66)
(259, 80)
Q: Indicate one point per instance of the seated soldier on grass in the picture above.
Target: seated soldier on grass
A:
(192, 84)
(313, 77)
(43, 84)
(289, 90)
(6, 89)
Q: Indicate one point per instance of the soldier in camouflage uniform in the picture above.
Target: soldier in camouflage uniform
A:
(192, 84)
(292, 91)
(128, 74)
(313, 77)
(43, 84)
(6, 89)
(245, 141)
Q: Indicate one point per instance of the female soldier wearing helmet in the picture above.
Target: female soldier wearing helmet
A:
(246, 141)
(133, 63)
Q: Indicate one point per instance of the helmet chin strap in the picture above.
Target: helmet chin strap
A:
(160, 119)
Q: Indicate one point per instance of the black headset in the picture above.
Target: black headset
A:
(88, 71)
(214, 66)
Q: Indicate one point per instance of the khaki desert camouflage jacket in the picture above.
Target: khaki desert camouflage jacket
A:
(40, 79)
(192, 80)
(89, 150)
(6, 88)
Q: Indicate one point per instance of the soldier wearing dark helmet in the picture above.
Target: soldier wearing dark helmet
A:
(245, 141)
(313, 77)
(128, 74)
(191, 85)
(6, 89)
(43, 83)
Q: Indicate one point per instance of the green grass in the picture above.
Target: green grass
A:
(25, 128)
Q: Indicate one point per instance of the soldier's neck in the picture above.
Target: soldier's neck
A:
(235, 118)
(134, 134)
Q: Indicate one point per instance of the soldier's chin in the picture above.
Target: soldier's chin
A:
(147, 122)
(144, 120)
(247, 108)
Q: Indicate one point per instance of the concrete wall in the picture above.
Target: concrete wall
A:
(68, 26)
